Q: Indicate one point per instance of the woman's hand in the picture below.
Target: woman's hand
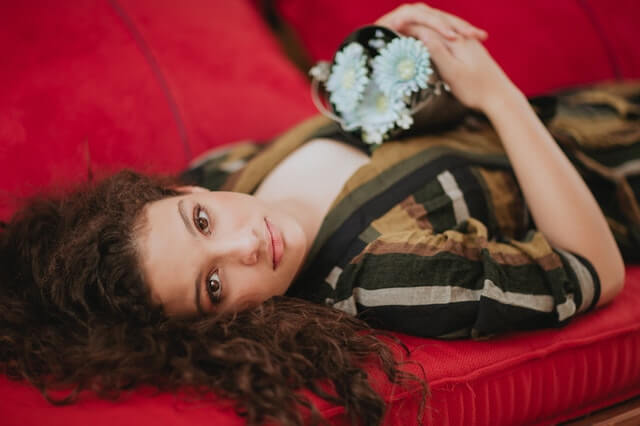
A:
(462, 61)
(447, 25)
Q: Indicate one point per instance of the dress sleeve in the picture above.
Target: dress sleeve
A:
(459, 284)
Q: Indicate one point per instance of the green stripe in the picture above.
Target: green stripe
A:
(368, 235)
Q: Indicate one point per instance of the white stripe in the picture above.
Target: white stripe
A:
(566, 309)
(334, 275)
(452, 189)
(538, 302)
(411, 296)
(347, 305)
(585, 280)
(436, 295)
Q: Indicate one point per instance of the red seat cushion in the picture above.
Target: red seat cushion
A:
(539, 377)
(150, 84)
(541, 45)
(144, 84)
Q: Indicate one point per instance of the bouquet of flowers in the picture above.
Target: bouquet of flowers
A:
(377, 82)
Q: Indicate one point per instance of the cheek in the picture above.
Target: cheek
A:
(252, 289)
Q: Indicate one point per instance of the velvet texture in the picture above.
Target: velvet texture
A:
(541, 45)
(137, 83)
(617, 24)
(150, 84)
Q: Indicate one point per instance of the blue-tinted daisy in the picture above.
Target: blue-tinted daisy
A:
(378, 113)
(402, 67)
(348, 78)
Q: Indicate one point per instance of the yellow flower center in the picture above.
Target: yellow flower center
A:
(348, 79)
(406, 69)
(382, 103)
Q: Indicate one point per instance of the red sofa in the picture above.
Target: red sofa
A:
(96, 85)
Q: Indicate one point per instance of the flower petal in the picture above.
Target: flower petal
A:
(348, 78)
(402, 67)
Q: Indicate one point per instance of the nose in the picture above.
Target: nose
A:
(243, 246)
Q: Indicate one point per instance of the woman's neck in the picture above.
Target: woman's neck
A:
(307, 182)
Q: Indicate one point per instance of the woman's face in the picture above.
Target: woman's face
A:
(205, 252)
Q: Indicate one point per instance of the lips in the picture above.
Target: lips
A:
(277, 243)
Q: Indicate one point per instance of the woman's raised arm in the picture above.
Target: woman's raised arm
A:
(560, 202)
(562, 206)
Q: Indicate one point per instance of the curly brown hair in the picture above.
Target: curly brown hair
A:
(76, 314)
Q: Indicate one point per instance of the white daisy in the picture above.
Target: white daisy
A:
(402, 67)
(348, 78)
(378, 113)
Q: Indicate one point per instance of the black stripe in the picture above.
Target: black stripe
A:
(473, 193)
(423, 321)
(487, 316)
(495, 317)
(449, 269)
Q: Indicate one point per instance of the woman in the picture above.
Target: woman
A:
(145, 280)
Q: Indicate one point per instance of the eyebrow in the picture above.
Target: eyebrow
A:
(185, 218)
(189, 226)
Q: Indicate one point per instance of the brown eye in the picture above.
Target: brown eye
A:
(201, 220)
(214, 288)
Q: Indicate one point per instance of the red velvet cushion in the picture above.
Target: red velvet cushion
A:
(209, 73)
(617, 22)
(146, 84)
(542, 45)
(539, 377)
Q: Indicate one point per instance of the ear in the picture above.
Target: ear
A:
(189, 189)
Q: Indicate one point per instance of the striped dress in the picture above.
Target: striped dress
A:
(433, 237)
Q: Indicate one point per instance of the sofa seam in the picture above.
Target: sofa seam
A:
(488, 373)
(153, 63)
(540, 353)
(601, 34)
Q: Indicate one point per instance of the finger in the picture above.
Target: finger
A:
(439, 47)
(463, 27)
(400, 18)
(470, 32)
